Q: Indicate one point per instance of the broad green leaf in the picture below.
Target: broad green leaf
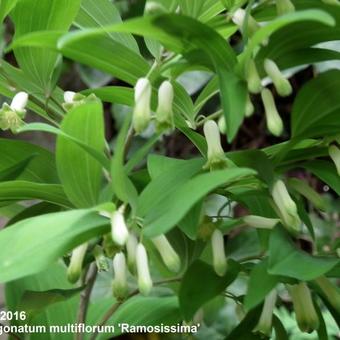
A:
(23, 190)
(31, 245)
(14, 152)
(113, 94)
(80, 175)
(316, 110)
(286, 260)
(5, 7)
(55, 314)
(191, 8)
(260, 285)
(200, 284)
(169, 211)
(100, 13)
(13, 171)
(326, 171)
(36, 15)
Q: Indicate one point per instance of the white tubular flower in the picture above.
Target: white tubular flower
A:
(218, 252)
(69, 97)
(253, 78)
(334, 153)
(76, 263)
(216, 156)
(131, 247)
(273, 119)
(19, 102)
(284, 7)
(281, 83)
(144, 278)
(286, 207)
(167, 252)
(264, 325)
(260, 222)
(119, 230)
(164, 113)
(239, 17)
(249, 107)
(306, 316)
(120, 286)
(330, 291)
(142, 110)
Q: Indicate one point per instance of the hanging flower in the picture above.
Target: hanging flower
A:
(144, 278)
(101, 261)
(281, 83)
(119, 230)
(76, 262)
(167, 252)
(253, 78)
(286, 207)
(164, 113)
(330, 291)
(142, 110)
(131, 247)
(306, 316)
(120, 286)
(334, 153)
(284, 7)
(249, 107)
(239, 17)
(274, 121)
(219, 258)
(260, 222)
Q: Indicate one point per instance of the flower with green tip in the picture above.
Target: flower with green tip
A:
(143, 272)
(286, 207)
(260, 222)
(131, 247)
(119, 230)
(273, 119)
(164, 112)
(264, 325)
(222, 125)
(239, 17)
(249, 107)
(101, 261)
(76, 262)
(306, 316)
(281, 83)
(120, 286)
(167, 252)
(284, 7)
(330, 291)
(72, 99)
(218, 252)
(215, 155)
(334, 154)
(253, 78)
(142, 110)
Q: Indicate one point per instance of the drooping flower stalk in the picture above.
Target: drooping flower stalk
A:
(167, 252)
(273, 119)
(164, 112)
(120, 286)
(334, 153)
(143, 272)
(76, 262)
(260, 222)
(142, 110)
(281, 83)
(218, 252)
(119, 230)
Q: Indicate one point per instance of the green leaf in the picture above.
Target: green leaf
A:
(260, 285)
(196, 291)
(280, 331)
(169, 211)
(316, 110)
(286, 260)
(13, 171)
(113, 94)
(36, 15)
(5, 7)
(80, 176)
(31, 245)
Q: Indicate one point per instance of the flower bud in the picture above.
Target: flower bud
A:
(69, 97)
(119, 229)
(164, 113)
(76, 263)
(239, 17)
(260, 222)
(286, 207)
(153, 8)
(274, 121)
(222, 125)
(249, 107)
(284, 7)
(101, 261)
(216, 156)
(253, 78)
(19, 102)
(73, 99)
(120, 287)
(219, 258)
(305, 190)
(330, 291)
(131, 246)
(168, 254)
(334, 153)
(144, 278)
(305, 313)
(282, 85)
(264, 325)
(142, 110)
